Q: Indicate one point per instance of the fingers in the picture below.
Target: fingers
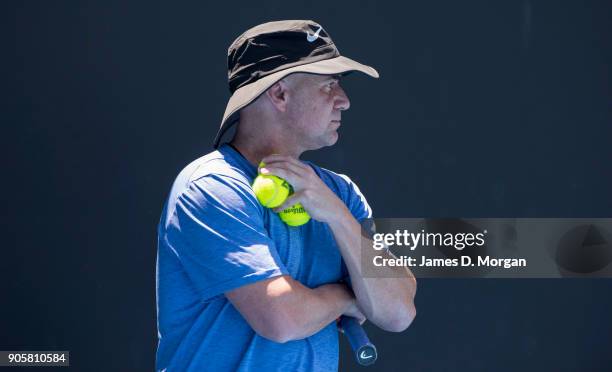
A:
(280, 170)
(285, 167)
(321, 203)
(290, 202)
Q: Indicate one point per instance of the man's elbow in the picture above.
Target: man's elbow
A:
(276, 335)
(277, 327)
(399, 321)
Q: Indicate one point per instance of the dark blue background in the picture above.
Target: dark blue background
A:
(483, 109)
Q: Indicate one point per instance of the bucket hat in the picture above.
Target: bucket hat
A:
(267, 53)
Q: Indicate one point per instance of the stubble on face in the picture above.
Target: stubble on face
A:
(311, 113)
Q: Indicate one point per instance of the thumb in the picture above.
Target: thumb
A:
(292, 200)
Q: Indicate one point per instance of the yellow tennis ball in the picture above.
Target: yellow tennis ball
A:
(271, 191)
(295, 215)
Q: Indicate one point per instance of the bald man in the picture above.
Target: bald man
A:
(238, 289)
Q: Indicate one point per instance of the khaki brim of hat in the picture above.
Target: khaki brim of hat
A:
(248, 93)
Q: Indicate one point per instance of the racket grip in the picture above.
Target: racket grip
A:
(363, 350)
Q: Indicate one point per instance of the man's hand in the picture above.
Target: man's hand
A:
(355, 312)
(309, 190)
(388, 300)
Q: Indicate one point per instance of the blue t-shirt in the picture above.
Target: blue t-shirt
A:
(213, 237)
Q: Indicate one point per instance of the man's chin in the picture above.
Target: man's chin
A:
(327, 142)
(333, 137)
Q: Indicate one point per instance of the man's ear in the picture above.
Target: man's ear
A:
(277, 94)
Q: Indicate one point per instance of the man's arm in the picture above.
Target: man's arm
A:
(224, 249)
(281, 309)
(387, 301)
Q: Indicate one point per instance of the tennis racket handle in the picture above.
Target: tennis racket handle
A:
(363, 350)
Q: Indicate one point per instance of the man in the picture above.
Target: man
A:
(237, 288)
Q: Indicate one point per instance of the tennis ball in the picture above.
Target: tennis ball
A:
(271, 191)
(295, 215)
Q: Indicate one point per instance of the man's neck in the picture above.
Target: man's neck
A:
(254, 150)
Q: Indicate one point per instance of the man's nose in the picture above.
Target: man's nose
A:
(342, 101)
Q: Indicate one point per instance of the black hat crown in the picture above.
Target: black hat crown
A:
(275, 46)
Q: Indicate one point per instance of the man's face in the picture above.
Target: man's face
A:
(315, 106)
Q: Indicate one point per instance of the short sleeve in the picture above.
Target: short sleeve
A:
(356, 201)
(216, 230)
(356, 204)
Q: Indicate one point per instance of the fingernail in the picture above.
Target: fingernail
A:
(264, 170)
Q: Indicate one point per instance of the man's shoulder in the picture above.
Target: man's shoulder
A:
(331, 178)
(347, 190)
(215, 165)
(214, 183)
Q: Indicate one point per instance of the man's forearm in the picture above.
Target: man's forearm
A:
(318, 307)
(388, 299)
(386, 302)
